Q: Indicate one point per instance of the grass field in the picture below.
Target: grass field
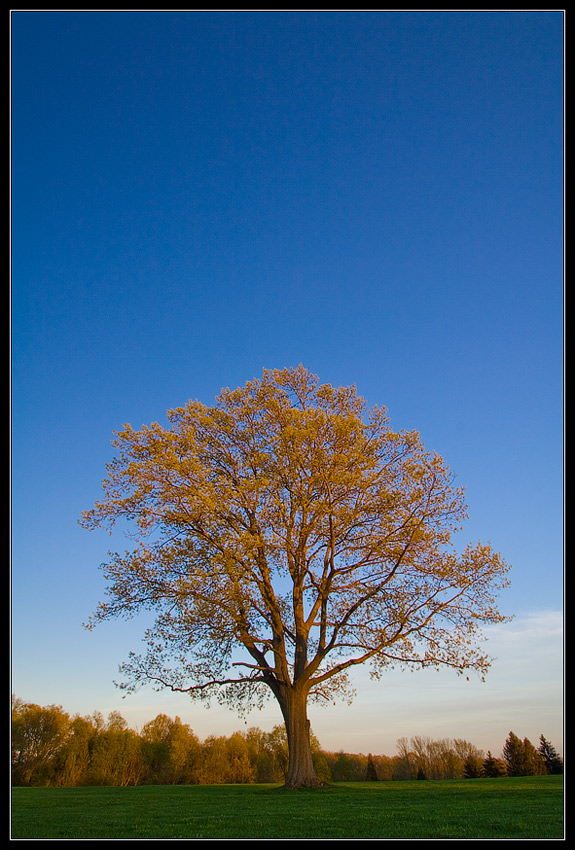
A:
(526, 807)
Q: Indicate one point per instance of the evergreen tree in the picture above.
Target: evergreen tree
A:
(371, 771)
(493, 767)
(553, 761)
(470, 757)
(514, 755)
(522, 758)
(472, 767)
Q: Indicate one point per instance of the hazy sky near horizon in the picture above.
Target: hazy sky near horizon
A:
(197, 196)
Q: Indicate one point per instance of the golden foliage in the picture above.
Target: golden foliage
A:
(284, 535)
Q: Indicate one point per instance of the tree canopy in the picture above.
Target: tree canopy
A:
(283, 536)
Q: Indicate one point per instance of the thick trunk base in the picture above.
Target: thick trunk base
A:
(301, 772)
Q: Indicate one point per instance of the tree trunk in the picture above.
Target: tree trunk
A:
(300, 771)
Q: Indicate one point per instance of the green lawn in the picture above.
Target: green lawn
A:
(527, 807)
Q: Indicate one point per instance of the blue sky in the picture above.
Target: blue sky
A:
(197, 196)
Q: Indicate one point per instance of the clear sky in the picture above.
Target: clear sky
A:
(197, 196)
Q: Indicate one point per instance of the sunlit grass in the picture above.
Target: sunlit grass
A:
(527, 807)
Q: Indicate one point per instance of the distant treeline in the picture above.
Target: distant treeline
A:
(49, 747)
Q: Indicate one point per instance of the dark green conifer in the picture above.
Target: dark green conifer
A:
(553, 761)
(371, 770)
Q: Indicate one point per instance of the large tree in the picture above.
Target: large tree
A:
(285, 535)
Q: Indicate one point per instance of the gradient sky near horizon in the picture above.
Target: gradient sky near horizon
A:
(197, 196)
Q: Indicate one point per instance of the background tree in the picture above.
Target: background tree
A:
(553, 761)
(170, 750)
(514, 755)
(534, 764)
(405, 765)
(321, 765)
(155, 737)
(240, 768)
(277, 743)
(385, 767)
(521, 757)
(425, 758)
(116, 757)
(225, 760)
(261, 756)
(347, 767)
(493, 767)
(470, 758)
(72, 763)
(38, 734)
(283, 536)
(371, 769)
